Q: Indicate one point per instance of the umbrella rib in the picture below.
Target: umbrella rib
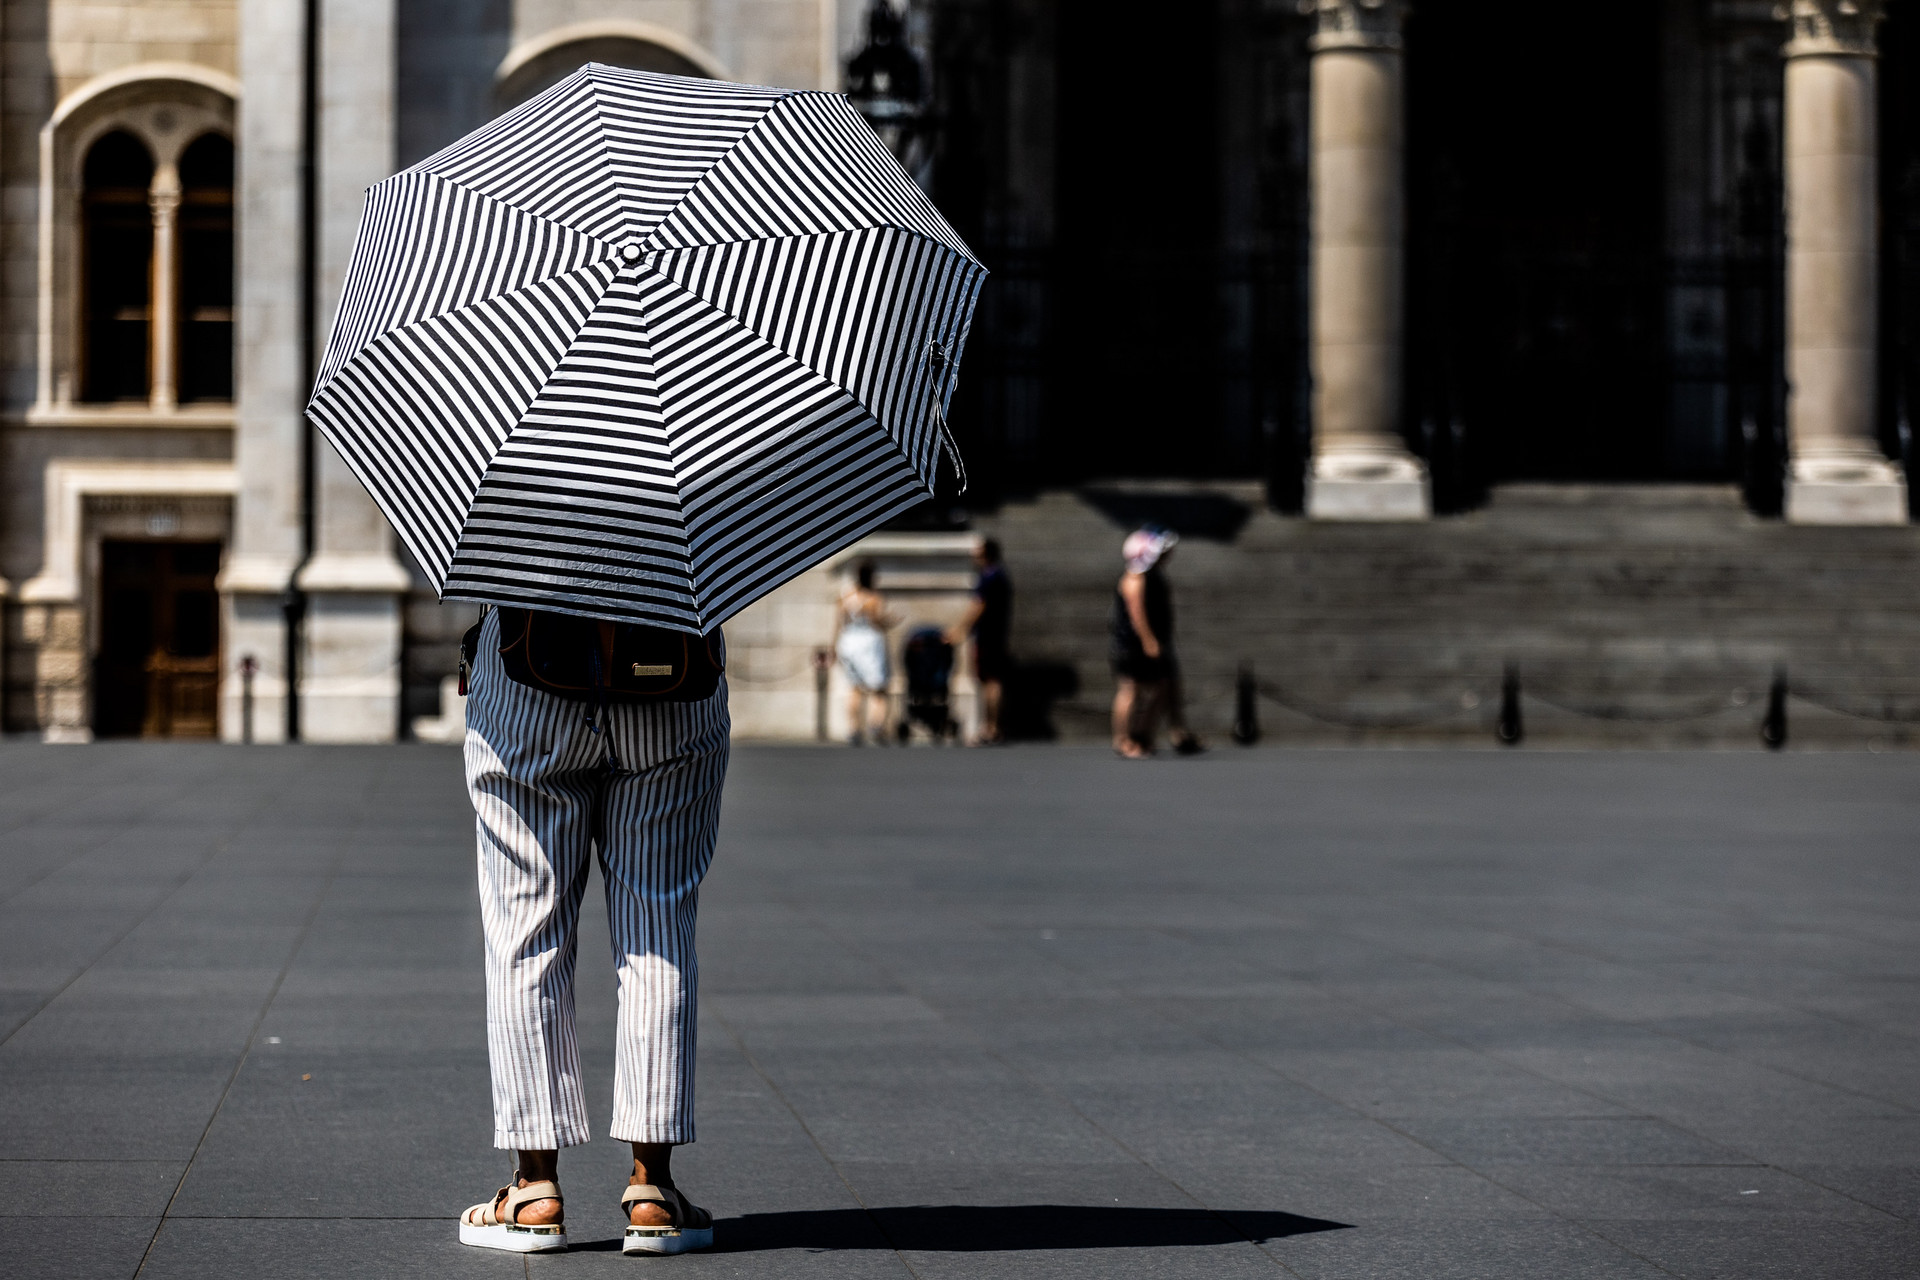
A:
(587, 270)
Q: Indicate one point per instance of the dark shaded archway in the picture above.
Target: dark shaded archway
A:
(1537, 250)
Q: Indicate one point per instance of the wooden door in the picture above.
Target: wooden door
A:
(158, 670)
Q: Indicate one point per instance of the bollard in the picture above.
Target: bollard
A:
(1773, 729)
(822, 665)
(1508, 728)
(247, 667)
(1246, 711)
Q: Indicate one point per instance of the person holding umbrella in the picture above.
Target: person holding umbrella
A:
(617, 364)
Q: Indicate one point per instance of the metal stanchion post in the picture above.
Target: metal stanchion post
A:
(1509, 728)
(248, 666)
(1246, 712)
(822, 665)
(1773, 729)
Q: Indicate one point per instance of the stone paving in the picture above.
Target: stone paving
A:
(1024, 1012)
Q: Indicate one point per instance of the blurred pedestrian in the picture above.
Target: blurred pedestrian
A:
(988, 620)
(1146, 672)
(860, 642)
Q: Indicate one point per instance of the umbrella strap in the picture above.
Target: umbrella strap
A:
(599, 719)
(946, 442)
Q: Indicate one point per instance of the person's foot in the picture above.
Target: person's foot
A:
(649, 1213)
(514, 1222)
(1131, 749)
(1187, 745)
(661, 1220)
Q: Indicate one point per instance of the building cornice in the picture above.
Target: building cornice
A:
(134, 417)
(1828, 28)
(1357, 24)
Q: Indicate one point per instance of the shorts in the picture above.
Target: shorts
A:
(1141, 669)
(990, 661)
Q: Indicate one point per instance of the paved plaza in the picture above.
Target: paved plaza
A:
(1028, 1012)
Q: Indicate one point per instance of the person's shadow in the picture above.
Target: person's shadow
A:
(953, 1228)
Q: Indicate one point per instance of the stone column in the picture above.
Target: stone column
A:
(163, 315)
(1361, 467)
(270, 386)
(350, 685)
(1839, 474)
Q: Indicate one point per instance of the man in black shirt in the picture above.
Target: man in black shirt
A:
(988, 620)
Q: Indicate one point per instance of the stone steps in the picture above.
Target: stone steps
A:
(1636, 606)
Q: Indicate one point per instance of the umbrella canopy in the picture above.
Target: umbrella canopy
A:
(646, 347)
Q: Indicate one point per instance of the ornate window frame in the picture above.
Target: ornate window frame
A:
(167, 106)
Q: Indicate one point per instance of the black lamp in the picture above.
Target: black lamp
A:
(885, 83)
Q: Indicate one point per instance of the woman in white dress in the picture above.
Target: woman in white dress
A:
(860, 642)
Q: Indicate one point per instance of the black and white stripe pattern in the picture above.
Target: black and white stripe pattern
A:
(646, 347)
(545, 799)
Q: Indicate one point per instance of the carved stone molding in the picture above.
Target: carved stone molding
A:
(1357, 24)
(1828, 27)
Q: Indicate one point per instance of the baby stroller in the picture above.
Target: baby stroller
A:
(929, 662)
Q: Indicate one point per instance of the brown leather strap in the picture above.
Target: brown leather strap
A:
(504, 1208)
(526, 1195)
(684, 1212)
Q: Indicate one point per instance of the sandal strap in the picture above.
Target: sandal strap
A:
(506, 1206)
(636, 1192)
(685, 1212)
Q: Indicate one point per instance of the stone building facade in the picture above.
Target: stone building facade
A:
(1379, 257)
(160, 516)
(1383, 255)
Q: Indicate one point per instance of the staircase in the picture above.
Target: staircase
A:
(1631, 615)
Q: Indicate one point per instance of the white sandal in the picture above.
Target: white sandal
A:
(692, 1227)
(491, 1225)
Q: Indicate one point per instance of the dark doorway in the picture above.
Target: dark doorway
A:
(1537, 235)
(158, 670)
(1138, 241)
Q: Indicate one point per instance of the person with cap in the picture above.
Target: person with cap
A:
(1146, 673)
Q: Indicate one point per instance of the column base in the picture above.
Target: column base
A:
(1369, 486)
(253, 595)
(350, 684)
(1846, 491)
(451, 724)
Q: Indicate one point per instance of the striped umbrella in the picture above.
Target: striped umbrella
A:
(646, 347)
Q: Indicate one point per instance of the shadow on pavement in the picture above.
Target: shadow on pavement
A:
(980, 1228)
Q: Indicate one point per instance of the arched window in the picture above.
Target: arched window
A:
(206, 270)
(136, 266)
(116, 268)
(550, 66)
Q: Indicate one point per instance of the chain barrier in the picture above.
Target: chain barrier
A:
(1828, 702)
(1720, 705)
(1388, 720)
(1772, 708)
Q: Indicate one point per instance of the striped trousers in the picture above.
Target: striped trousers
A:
(546, 799)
